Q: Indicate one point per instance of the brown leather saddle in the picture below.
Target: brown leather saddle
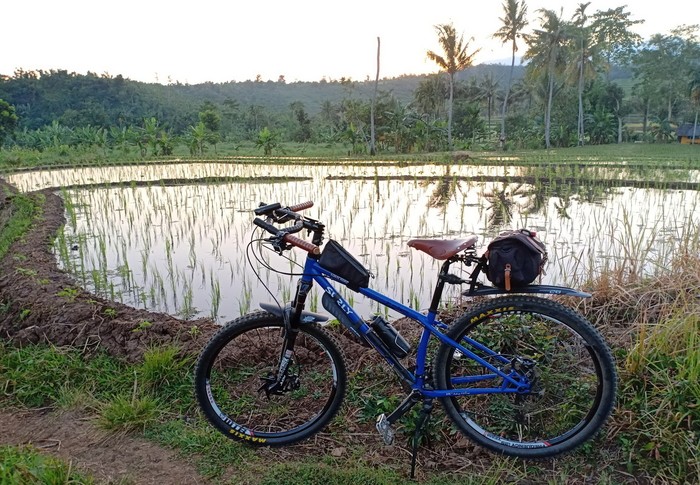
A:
(442, 248)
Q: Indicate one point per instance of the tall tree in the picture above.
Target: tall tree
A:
(372, 136)
(695, 98)
(454, 58)
(8, 120)
(302, 129)
(429, 97)
(513, 22)
(488, 90)
(583, 39)
(613, 36)
(664, 63)
(329, 119)
(547, 55)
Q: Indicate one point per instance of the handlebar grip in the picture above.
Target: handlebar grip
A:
(301, 206)
(300, 243)
(265, 225)
(265, 209)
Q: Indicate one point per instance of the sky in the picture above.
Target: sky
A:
(303, 40)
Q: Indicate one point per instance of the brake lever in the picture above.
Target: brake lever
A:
(278, 244)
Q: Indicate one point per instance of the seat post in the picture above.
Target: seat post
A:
(440, 285)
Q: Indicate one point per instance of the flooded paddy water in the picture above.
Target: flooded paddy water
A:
(172, 237)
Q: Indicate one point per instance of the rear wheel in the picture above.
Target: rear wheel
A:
(242, 360)
(566, 367)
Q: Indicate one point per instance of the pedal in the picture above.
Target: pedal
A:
(386, 430)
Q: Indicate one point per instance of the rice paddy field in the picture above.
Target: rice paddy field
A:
(174, 236)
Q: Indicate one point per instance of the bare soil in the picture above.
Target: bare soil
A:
(109, 458)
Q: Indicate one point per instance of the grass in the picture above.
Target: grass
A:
(652, 155)
(315, 474)
(26, 466)
(654, 323)
(26, 210)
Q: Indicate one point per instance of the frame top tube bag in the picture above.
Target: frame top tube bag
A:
(336, 259)
(515, 259)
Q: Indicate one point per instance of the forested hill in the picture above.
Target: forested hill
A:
(41, 97)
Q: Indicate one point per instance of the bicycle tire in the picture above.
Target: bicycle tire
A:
(573, 383)
(231, 370)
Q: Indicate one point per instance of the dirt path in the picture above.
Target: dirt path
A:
(108, 458)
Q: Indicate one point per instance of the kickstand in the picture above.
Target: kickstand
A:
(422, 421)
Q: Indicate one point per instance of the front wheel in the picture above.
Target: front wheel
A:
(565, 367)
(237, 367)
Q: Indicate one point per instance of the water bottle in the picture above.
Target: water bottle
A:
(390, 336)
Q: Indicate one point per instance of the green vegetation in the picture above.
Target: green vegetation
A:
(26, 466)
(589, 80)
(26, 209)
(662, 391)
(8, 120)
(651, 436)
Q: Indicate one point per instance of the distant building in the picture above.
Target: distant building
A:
(688, 134)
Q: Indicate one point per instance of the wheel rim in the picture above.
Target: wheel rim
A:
(566, 381)
(234, 381)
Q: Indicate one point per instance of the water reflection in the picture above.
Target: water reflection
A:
(181, 249)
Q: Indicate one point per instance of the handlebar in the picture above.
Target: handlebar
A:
(266, 209)
(276, 231)
(300, 243)
(300, 207)
(276, 213)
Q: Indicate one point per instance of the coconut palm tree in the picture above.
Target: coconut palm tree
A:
(488, 90)
(546, 51)
(695, 99)
(514, 21)
(429, 97)
(584, 38)
(454, 58)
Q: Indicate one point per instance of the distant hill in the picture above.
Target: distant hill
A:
(278, 96)
(76, 99)
(41, 97)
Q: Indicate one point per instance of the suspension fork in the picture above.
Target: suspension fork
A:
(292, 320)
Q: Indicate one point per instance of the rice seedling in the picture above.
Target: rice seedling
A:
(174, 232)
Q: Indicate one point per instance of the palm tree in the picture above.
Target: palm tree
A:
(372, 141)
(695, 99)
(546, 51)
(429, 97)
(514, 22)
(455, 59)
(580, 19)
(488, 88)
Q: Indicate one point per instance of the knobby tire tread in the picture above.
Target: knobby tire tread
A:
(231, 330)
(576, 322)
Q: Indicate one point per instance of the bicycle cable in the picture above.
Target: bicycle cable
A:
(250, 249)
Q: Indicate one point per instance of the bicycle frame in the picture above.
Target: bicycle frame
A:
(512, 382)
(283, 350)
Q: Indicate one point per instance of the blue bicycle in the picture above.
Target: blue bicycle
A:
(521, 375)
